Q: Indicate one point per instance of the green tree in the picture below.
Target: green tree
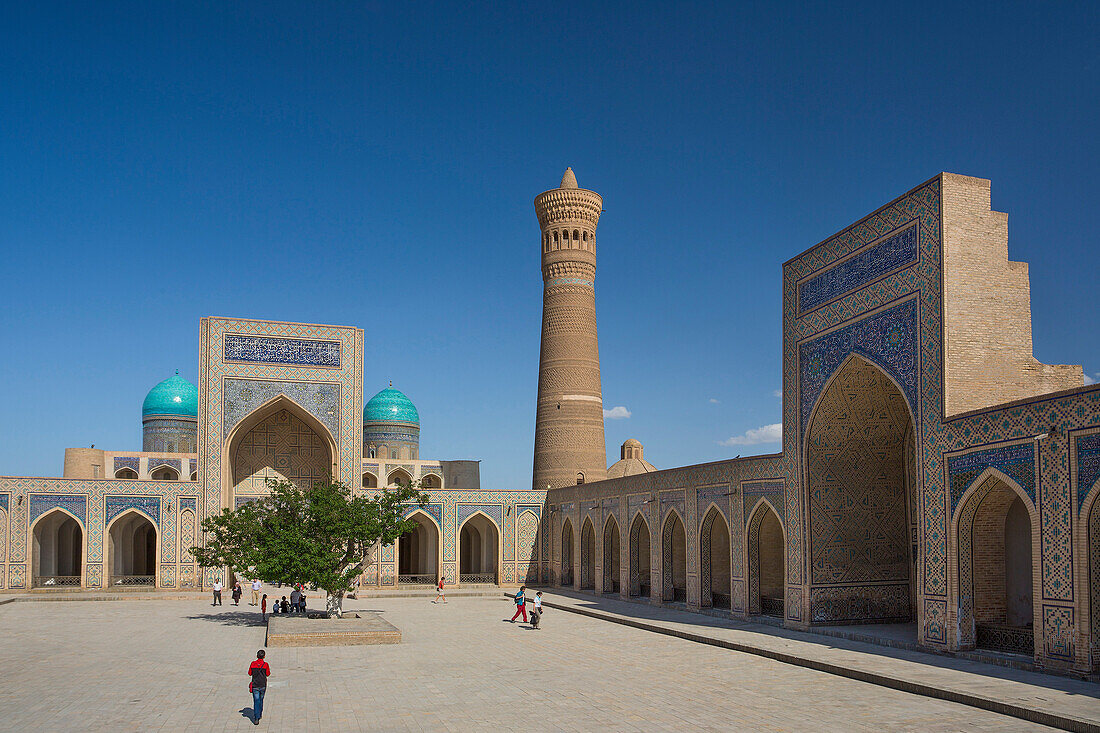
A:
(320, 536)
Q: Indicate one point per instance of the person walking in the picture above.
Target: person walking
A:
(237, 593)
(521, 605)
(263, 607)
(439, 591)
(536, 612)
(259, 671)
(256, 586)
(217, 593)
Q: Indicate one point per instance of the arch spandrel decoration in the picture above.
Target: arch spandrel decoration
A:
(147, 505)
(1016, 461)
(242, 397)
(42, 503)
(1088, 465)
(889, 339)
(433, 510)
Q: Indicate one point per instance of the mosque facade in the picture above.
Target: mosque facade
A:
(933, 475)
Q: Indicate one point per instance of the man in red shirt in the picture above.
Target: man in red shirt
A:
(259, 672)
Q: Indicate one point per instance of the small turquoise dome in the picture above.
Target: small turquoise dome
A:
(390, 405)
(173, 396)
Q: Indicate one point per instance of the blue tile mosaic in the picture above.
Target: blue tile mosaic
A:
(271, 350)
(1016, 461)
(887, 338)
(874, 263)
(1088, 465)
(435, 511)
(495, 511)
(42, 503)
(242, 396)
(127, 462)
(115, 505)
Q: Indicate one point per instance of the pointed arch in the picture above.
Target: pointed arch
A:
(132, 547)
(398, 475)
(567, 542)
(588, 554)
(164, 472)
(126, 473)
(996, 533)
(479, 542)
(641, 553)
(58, 542)
(253, 420)
(418, 552)
(715, 559)
(611, 555)
(674, 558)
(765, 543)
(857, 492)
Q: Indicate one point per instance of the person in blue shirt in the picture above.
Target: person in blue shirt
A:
(521, 605)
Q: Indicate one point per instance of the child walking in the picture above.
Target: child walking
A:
(439, 591)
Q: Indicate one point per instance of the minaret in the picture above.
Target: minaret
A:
(569, 447)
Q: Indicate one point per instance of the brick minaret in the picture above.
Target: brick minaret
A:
(569, 444)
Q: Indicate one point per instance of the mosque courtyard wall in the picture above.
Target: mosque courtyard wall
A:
(932, 473)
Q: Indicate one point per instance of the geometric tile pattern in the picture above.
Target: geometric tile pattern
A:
(1088, 465)
(242, 396)
(148, 505)
(280, 447)
(856, 470)
(1017, 461)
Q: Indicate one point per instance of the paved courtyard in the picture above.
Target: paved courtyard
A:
(180, 666)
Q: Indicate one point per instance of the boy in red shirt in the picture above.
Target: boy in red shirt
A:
(259, 672)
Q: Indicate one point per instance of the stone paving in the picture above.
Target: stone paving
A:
(180, 665)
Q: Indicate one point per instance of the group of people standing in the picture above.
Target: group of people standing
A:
(237, 592)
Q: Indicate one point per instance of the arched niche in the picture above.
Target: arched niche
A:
(478, 550)
(715, 562)
(418, 552)
(611, 555)
(640, 557)
(131, 550)
(57, 550)
(280, 440)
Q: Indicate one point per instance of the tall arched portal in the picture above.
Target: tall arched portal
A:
(132, 550)
(58, 552)
(640, 573)
(859, 500)
(478, 542)
(418, 553)
(281, 445)
(611, 556)
(588, 555)
(674, 560)
(996, 599)
(567, 554)
(714, 560)
(766, 562)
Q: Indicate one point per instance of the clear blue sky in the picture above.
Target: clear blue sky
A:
(336, 163)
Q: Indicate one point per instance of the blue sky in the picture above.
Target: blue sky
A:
(342, 163)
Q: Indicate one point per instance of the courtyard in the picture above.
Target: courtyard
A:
(180, 665)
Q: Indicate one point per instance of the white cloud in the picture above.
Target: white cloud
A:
(616, 413)
(756, 436)
(1091, 380)
(777, 393)
(713, 401)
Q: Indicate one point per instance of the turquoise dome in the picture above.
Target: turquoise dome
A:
(173, 396)
(390, 405)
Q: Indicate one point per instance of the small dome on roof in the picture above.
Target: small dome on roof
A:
(173, 396)
(632, 443)
(390, 405)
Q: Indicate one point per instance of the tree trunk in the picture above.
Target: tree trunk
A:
(334, 604)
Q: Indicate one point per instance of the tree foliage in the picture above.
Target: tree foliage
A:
(319, 536)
